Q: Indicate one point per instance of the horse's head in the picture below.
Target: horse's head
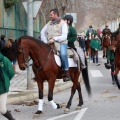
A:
(22, 54)
(107, 36)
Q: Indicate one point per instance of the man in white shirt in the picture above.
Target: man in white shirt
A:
(55, 31)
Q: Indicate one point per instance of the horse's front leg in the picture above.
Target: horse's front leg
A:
(103, 52)
(40, 103)
(50, 95)
(116, 77)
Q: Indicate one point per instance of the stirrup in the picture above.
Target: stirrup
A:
(66, 77)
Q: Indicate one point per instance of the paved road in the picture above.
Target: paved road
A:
(103, 105)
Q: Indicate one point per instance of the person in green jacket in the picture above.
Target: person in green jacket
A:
(111, 60)
(72, 37)
(72, 33)
(95, 46)
(6, 74)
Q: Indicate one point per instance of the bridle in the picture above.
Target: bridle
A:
(26, 62)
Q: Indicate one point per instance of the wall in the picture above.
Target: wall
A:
(13, 21)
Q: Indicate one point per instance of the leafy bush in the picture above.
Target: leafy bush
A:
(10, 3)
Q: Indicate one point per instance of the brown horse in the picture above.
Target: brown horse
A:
(106, 42)
(45, 68)
(88, 48)
(117, 60)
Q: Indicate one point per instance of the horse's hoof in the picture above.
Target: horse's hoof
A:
(79, 108)
(37, 114)
(59, 106)
(67, 110)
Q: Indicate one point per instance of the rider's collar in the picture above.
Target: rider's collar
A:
(57, 21)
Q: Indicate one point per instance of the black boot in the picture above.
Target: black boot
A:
(9, 116)
(117, 82)
(113, 78)
(66, 77)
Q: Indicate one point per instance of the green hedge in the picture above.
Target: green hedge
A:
(10, 3)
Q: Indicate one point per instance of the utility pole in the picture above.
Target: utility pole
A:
(29, 33)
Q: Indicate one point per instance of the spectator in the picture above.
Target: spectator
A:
(82, 43)
(95, 46)
(2, 43)
(111, 60)
(9, 52)
(6, 74)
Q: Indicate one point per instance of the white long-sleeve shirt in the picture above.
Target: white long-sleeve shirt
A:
(60, 38)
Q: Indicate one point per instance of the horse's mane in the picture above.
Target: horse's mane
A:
(32, 38)
(41, 43)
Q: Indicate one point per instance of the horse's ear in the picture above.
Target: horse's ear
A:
(18, 40)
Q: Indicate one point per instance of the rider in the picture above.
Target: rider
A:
(106, 30)
(72, 36)
(55, 31)
(90, 30)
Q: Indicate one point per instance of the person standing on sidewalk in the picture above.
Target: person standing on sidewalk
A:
(9, 52)
(6, 74)
(95, 46)
(111, 61)
(2, 43)
(55, 31)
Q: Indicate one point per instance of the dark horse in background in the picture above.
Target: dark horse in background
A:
(45, 68)
(106, 42)
(116, 40)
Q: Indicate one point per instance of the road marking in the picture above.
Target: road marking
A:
(81, 112)
(96, 73)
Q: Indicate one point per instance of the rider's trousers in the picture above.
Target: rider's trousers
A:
(63, 55)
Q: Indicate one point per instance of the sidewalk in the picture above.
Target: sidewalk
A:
(18, 89)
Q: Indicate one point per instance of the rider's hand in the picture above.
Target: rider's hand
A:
(50, 41)
(95, 49)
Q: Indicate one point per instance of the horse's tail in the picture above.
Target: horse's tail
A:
(86, 78)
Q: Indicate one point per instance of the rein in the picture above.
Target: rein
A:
(37, 69)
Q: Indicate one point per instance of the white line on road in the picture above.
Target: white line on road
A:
(96, 73)
(81, 112)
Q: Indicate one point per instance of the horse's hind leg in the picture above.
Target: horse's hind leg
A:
(80, 97)
(67, 109)
(50, 95)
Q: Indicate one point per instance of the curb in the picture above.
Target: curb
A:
(31, 95)
(28, 95)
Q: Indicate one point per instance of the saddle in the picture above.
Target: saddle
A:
(73, 57)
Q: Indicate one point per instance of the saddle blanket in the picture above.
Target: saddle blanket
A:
(70, 61)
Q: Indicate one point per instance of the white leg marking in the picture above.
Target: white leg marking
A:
(40, 105)
(52, 103)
